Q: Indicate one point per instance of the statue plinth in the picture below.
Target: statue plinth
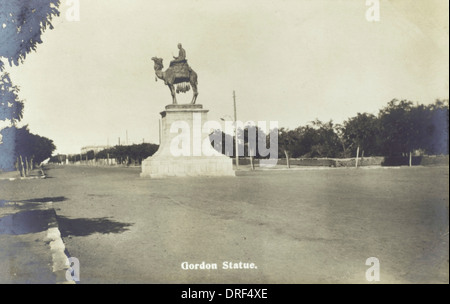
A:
(185, 149)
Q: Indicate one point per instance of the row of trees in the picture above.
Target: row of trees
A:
(122, 154)
(400, 128)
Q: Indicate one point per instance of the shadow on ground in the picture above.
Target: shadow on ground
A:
(30, 218)
(34, 221)
(24, 222)
(27, 216)
(88, 226)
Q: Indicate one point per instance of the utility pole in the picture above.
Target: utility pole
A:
(126, 139)
(235, 130)
(160, 130)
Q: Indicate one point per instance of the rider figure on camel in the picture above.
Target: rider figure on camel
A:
(181, 55)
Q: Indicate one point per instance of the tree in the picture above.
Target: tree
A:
(362, 131)
(287, 143)
(11, 107)
(222, 142)
(327, 142)
(137, 153)
(19, 142)
(437, 128)
(251, 135)
(395, 130)
(405, 127)
(22, 22)
(307, 138)
(340, 132)
(90, 155)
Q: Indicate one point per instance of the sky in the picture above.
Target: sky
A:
(92, 81)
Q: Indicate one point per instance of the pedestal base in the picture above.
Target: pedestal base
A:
(201, 161)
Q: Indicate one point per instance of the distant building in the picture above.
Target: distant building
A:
(96, 149)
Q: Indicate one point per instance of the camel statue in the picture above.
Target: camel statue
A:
(180, 74)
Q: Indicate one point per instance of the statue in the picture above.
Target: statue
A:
(179, 73)
(181, 55)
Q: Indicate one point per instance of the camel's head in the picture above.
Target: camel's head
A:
(158, 63)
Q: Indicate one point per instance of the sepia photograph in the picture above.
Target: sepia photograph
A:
(224, 142)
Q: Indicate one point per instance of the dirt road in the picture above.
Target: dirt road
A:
(297, 226)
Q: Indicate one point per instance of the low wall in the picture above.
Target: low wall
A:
(435, 160)
(366, 161)
(426, 160)
(320, 162)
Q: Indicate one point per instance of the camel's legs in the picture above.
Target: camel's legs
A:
(172, 91)
(195, 92)
(193, 82)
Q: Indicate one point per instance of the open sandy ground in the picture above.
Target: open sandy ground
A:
(296, 226)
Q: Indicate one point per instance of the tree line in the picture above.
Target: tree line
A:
(400, 128)
(129, 154)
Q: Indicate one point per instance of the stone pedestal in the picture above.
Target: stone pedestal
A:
(185, 150)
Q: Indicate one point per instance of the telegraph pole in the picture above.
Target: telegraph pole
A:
(235, 130)
(160, 130)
